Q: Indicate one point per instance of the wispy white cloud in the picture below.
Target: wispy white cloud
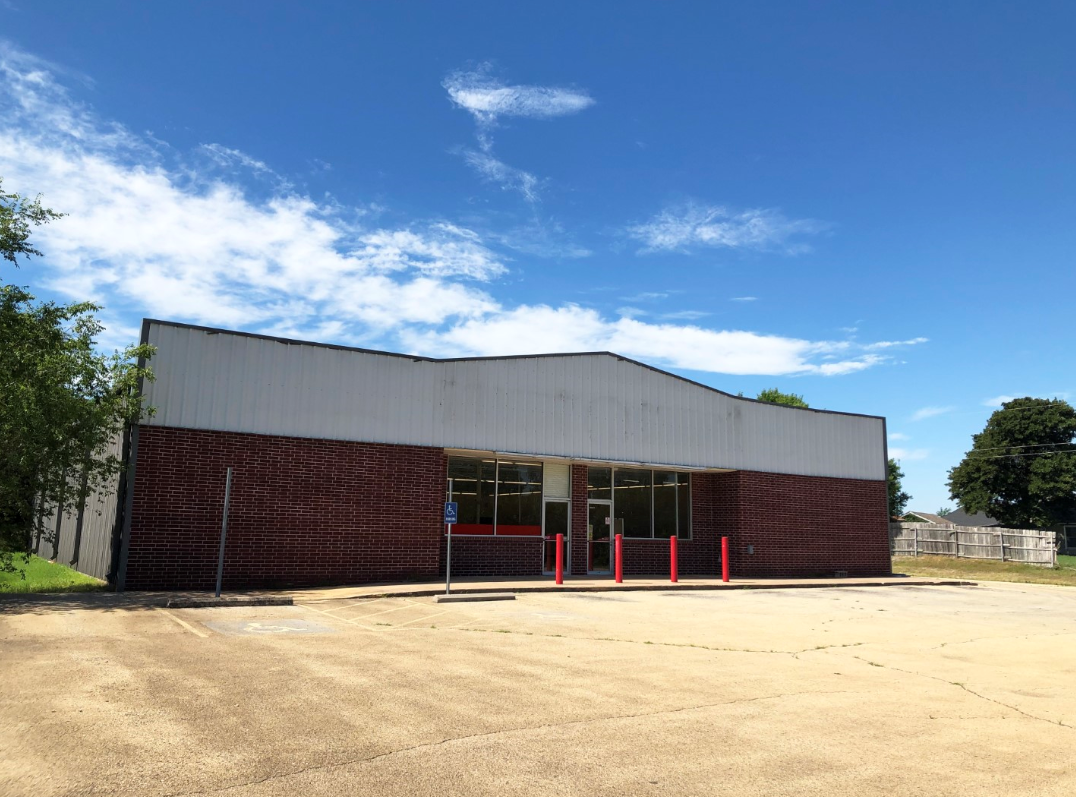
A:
(930, 412)
(997, 401)
(909, 454)
(897, 436)
(488, 99)
(574, 328)
(692, 226)
(151, 233)
(744, 299)
(508, 177)
(888, 344)
(684, 315)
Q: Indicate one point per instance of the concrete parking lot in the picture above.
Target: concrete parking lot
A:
(865, 691)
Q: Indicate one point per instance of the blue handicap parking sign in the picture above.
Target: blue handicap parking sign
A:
(451, 510)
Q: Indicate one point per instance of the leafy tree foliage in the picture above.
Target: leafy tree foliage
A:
(1021, 469)
(17, 214)
(945, 510)
(774, 396)
(62, 401)
(898, 499)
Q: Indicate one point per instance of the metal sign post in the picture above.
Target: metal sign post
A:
(451, 515)
(224, 529)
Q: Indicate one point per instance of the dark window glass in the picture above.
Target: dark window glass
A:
(473, 485)
(632, 504)
(664, 503)
(519, 500)
(683, 506)
(556, 522)
(599, 483)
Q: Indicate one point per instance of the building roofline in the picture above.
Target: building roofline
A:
(146, 322)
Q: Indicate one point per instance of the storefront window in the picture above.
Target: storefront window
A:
(473, 484)
(509, 493)
(599, 484)
(519, 498)
(632, 497)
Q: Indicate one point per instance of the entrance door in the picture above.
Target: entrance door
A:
(599, 537)
(556, 522)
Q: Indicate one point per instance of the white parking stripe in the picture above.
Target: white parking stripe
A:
(183, 623)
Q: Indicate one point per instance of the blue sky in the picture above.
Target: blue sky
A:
(868, 204)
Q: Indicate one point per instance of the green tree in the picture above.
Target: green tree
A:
(17, 214)
(898, 499)
(1021, 469)
(774, 396)
(62, 401)
(945, 510)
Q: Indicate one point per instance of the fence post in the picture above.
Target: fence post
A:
(1001, 544)
(915, 542)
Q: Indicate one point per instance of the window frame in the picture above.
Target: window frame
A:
(497, 495)
(612, 499)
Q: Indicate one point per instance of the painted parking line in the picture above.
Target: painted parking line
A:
(421, 619)
(376, 614)
(182, 623)
(338, 617)
(268, 627)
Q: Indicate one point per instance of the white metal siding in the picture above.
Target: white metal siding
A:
(576, 406)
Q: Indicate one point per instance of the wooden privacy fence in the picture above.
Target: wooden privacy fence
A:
(974, 542)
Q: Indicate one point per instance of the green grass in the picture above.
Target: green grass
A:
(987, 570)
(41, 575)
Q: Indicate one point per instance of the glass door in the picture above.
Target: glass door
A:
(556, 522)
(599, 537)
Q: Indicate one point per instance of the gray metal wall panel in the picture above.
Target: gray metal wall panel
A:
(98, 520)
(583, 406)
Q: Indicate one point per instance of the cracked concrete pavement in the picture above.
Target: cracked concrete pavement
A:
(895, 691)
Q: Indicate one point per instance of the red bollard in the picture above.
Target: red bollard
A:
(619, 560)
(724, 558)
(672, 558)
(560, 558)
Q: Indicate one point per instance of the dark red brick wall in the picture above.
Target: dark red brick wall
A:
(494, 556)
(802, 525)
(309, 512)
(577, 539)
(303, 512)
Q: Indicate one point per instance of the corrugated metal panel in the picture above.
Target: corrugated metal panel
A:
(556, 480)
(94, 554)
(576, 406)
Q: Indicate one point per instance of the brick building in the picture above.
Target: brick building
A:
(342, 459)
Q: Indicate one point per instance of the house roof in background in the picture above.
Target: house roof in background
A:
(929, 517)
(962, 518)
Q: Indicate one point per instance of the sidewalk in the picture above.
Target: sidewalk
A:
(474, 585)
(109, 601)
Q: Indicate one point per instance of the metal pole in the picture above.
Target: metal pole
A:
(619, 560)
(724, 558)
(672, 560)
(224, 529)
(560, 559)
(448, 553)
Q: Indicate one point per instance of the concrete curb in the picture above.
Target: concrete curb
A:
(431, 592)
(240, 600)
(475, 596)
